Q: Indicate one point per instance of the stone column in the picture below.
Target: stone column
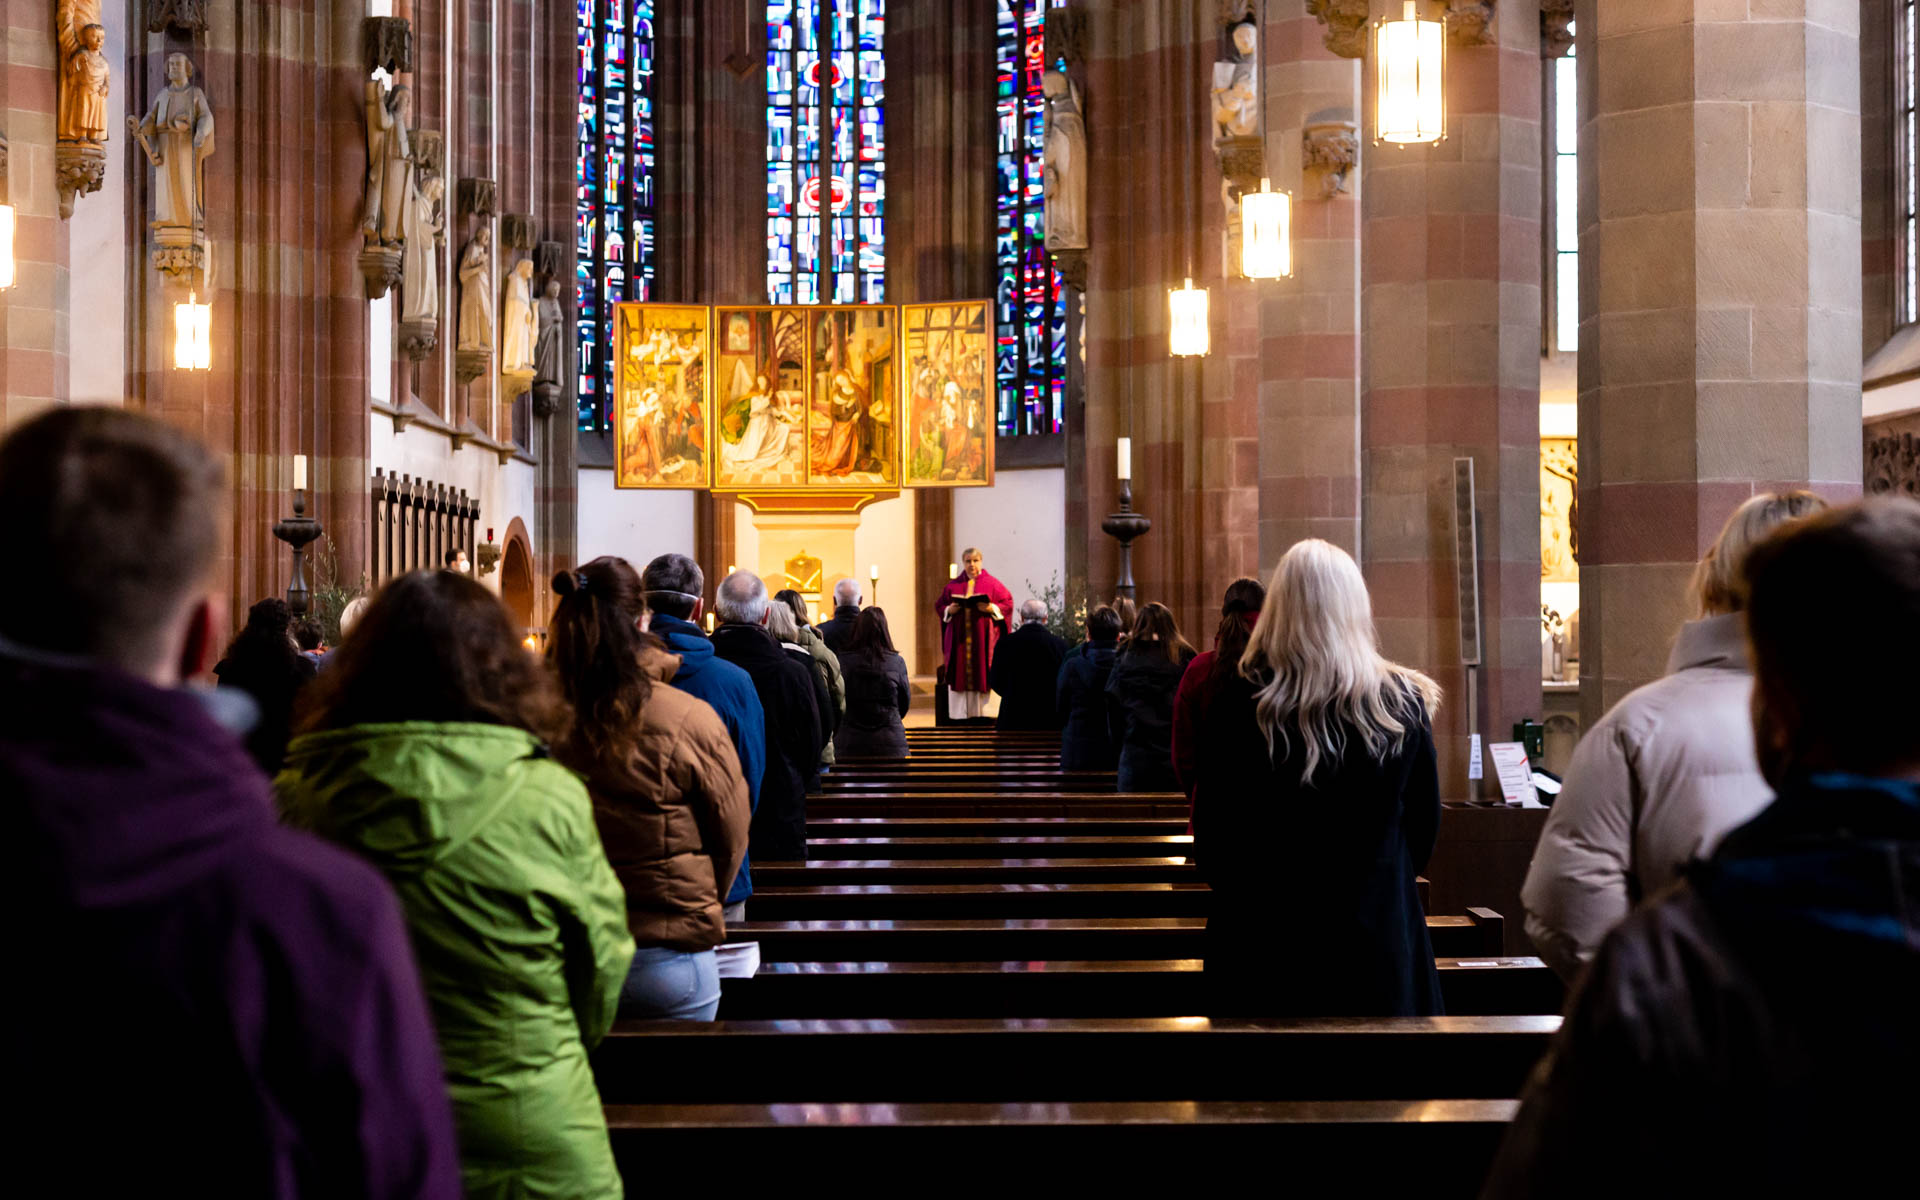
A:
(1309, 393)
(33, 316)
(556, 440)
(1720, 306)
(1881, 284)
(1451, 337)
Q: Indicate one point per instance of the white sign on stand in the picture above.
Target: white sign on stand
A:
(1474, 770)
(1515, 773)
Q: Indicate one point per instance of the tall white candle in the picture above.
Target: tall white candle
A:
(1126, 458)
(299, 472)
(953, 570)
(873, 573)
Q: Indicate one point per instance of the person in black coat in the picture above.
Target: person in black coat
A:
(795, 729)
(878, 694)
(263, 662)
(835, 630)
(1318, 805)
(1026, 665)
(1080, 695)
(1146, 674)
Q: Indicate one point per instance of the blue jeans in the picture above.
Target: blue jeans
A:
(672, 984)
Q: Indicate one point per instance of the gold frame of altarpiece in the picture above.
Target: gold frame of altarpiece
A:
(656, 347)
(773, 377)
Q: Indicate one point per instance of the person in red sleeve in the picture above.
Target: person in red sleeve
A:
(1238, 611)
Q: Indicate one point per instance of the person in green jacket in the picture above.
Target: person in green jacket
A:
(424, 749)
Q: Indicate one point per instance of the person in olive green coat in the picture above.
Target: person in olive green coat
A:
(424, 750)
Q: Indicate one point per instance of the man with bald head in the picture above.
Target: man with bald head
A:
(846, 606)
(1026, 664)
(795, 727)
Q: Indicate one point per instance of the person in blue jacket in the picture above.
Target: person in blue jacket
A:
(674, 586)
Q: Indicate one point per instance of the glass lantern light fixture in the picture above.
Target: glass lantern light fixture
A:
(1266, 233)
(1187, 335)
(1410, 57)
(192, 334)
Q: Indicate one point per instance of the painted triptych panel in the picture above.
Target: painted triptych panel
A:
(950, 393)
(663, 401)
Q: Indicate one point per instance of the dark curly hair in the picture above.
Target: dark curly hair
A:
(435, 646)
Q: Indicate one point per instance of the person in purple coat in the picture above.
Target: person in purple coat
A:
(201, 998)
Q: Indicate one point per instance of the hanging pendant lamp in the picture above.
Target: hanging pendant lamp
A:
(1410, 57)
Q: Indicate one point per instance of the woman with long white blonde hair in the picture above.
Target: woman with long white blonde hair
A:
(1318, 794)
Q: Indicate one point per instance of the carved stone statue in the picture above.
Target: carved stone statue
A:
(547, 350)
(518, 330)
(1066, 165)
(389, 163)
(476, 293)
(85, 73)
(1236, 100)
(177, 135)
(425, 232)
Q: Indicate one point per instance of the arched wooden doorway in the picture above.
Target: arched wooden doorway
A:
(516, 579)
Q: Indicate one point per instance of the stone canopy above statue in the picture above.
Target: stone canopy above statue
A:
(799, 402)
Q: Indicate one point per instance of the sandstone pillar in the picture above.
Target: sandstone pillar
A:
(1451, 338)
(33, 315)
(1720, 325)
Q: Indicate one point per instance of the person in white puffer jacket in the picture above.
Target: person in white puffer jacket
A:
(1668, 772)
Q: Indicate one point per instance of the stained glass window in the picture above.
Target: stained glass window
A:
(1907, 137)
(613, 182)
(1030, 306)
(838, 104)
(1566, 205)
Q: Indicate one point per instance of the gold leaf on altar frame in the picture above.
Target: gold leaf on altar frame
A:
(663, 396)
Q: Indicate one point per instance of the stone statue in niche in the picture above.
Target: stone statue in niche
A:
(547, 347)
(390, 164)
(424, 232)
(476, 293)
(1236, 100)
(1066, 165)
(518, 328)
(85, 74)
(177, 135)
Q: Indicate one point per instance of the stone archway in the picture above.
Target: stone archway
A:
(516, 578)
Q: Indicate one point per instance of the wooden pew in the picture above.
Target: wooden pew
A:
(967, 827)
(1059, 988)
(986, 1059)
(975, 804)
(995, 901)
(1436, 1149)
(1011, 844)
(861, 871)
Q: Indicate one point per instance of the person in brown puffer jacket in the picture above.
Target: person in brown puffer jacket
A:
(669, 798)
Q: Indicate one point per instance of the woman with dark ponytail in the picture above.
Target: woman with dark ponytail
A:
(1238, 611)
(668, 794)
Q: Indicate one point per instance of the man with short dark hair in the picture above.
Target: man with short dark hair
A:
(455, 560)
(311, 639)
(1026, 667)
(1754, 1031)
(170, 929)
(674, 586)
(846, 608)
(795, 728)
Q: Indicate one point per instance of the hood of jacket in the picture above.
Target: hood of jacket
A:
(1835, 853)
(408, 794)
(124, 791)
(1716, 642)
(685, 639)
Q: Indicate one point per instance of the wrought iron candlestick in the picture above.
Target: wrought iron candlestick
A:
(298, 531)
(1125, 526)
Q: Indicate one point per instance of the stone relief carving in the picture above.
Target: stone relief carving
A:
(1470, 22)
(1066, 165)
(517, 231)
(1346, 22)
(1331, 152)
(188, 16)
(1236, 86)
(478, 198)
(85, 76)
(1892, 461)
(388, 42)
(177, 136)
(1556, 38)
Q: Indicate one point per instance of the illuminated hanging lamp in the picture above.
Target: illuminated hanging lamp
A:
(1187, 335)
(192, 334)
(6, 246)
(1410, 107)
(1266, 233)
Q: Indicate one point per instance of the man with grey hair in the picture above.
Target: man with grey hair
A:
(795, 728)
(1026, 667)
(846, 606)
(673, 584)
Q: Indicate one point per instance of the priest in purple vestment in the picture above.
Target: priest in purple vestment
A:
(969, 631)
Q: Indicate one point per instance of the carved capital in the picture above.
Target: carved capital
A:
(1066, 35)
(79, 168)
(1073, 268)
(418, 338)
(546, 399)
(1892, 463)
(469, 365)
(188, 16)
(1242, 161)
(430, 151)
(1330, 153)
(550, 260)
(389, 44)
(517, 231)
(1346, 22)
(180, 255)
(478, 197)
(381, 265)
(1470, 22)
(1556, 38)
